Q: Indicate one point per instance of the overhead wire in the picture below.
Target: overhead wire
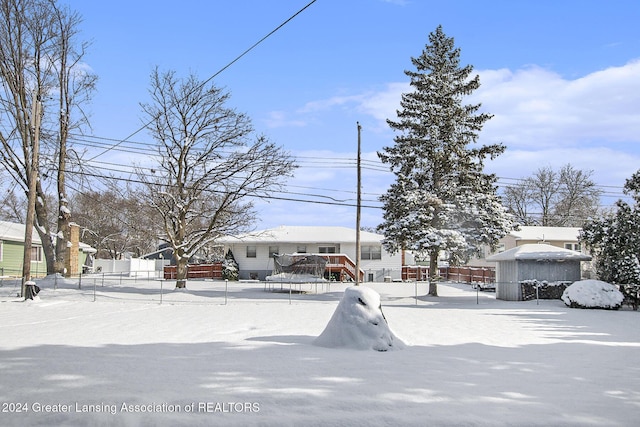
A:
(236, 59)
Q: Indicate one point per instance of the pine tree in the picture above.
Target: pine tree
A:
(614, 239)
(441, 199)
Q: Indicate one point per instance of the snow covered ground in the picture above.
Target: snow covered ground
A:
(200, 358)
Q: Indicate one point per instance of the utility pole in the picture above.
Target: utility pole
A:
(32, 179)
(358, 206)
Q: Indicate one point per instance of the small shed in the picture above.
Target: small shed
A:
(536, 261)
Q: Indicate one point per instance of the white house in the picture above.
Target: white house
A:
(254, 251)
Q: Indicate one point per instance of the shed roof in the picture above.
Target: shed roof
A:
(538, 251)
(539, 233)
(305, 234)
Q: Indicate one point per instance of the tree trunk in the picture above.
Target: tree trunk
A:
(433, 272)
(62, 237)
(44, 231)
(181, 272)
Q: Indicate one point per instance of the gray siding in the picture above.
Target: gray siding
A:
(507, 287)
(511, 273)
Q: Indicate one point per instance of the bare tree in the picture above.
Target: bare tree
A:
(544, 188)
(12, 206)
(41, 64)
(549, 198)
(209, 166)
(113, 223)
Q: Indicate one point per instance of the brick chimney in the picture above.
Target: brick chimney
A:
(72, 259)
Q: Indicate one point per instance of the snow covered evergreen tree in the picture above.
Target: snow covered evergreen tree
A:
(441, 199)
(614, 240)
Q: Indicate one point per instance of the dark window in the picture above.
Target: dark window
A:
(251, 251)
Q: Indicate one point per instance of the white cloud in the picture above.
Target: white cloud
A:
(533, 107)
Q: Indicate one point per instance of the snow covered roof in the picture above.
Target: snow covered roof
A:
(15, 232)
(538, 251)
(305, 234)
(565, 234)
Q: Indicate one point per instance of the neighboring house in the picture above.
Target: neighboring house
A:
(534, 261)
(560, 237)
(12, 251)
(254, 251)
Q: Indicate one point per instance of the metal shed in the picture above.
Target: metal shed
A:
(537, 261)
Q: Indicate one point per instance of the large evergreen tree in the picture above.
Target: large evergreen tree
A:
(614, 241)
(441, 199)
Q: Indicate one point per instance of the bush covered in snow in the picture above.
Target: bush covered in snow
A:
(593, 294)
(358, 323)
(230, 269)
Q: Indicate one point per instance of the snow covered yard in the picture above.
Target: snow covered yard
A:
(127, 359)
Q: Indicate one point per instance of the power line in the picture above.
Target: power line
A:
(236, 59)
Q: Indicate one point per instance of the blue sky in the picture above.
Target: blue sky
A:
(561, 77)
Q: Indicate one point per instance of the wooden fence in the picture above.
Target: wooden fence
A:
(196, 271)
(453, 274)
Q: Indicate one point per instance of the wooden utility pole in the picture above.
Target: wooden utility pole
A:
(358, 205)
(32, 179)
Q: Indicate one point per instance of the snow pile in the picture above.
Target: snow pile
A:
(358, 323)
(56, 280)
(592, 294)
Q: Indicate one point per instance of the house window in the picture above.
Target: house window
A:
(573, 246)
(327, 249)
(251, 251)
(273, 250)
(36, 254)
(371, 252)
(301, 249)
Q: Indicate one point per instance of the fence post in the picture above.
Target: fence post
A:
(226, 287)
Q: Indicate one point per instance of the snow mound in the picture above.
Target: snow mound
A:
(593, 294)
(56, 280)
(358, 323)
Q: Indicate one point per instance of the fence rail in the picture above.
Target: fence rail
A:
(153, 288)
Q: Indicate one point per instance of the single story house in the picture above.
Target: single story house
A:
(534, 261)
(254, 252)
(12, 251)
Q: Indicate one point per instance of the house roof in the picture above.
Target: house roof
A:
(14, 232)
(538, 252)
(305, 234)
(537, 233)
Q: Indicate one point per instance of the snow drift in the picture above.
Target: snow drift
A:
(593, 294)
(358, 323)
